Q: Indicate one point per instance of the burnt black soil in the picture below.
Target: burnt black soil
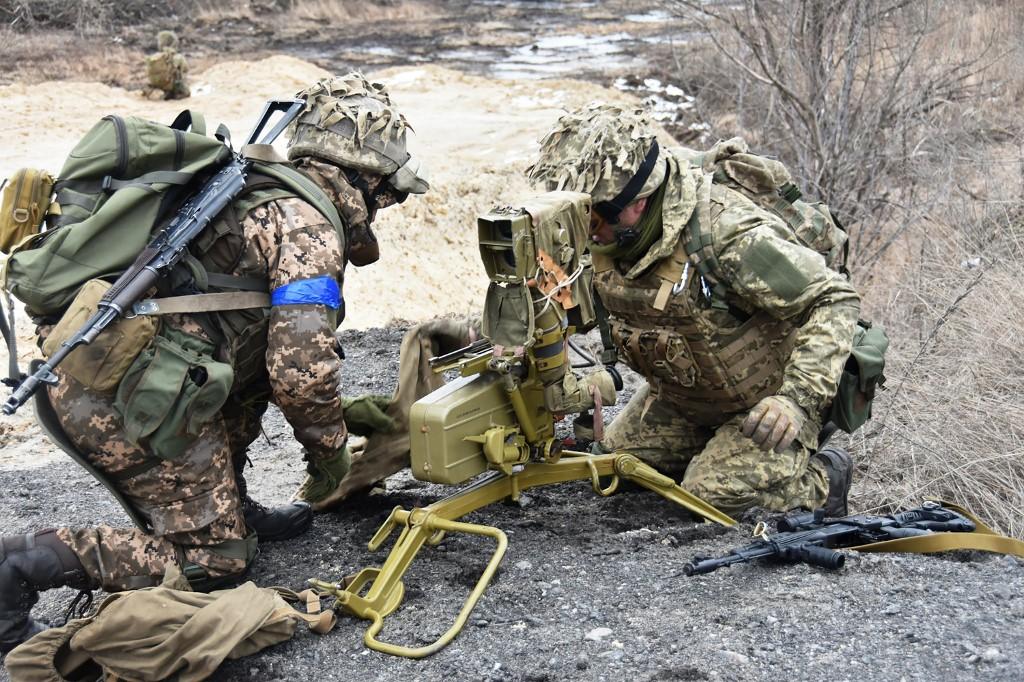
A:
(577, 563)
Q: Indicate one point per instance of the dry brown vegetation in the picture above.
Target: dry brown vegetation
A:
(323, 11)
(905, 116)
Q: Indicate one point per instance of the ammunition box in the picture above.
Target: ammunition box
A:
(440, 421)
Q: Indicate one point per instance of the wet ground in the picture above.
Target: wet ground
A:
(630, 45)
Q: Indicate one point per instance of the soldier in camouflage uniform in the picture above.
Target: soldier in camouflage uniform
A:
(352, 143)
(166, 69)
(740, 331)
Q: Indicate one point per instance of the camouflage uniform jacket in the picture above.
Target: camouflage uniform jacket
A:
(779, 322)
(288, 351)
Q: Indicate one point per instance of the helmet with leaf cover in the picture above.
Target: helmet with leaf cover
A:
(166, 40)
(352, 123)
(605, 150)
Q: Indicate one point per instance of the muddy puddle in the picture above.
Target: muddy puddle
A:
(628, 45)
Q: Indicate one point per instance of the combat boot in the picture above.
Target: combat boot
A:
(839, 466)
(28, 564)
(272, 525)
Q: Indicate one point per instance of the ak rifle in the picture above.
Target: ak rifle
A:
(812, 538)
(163, 252)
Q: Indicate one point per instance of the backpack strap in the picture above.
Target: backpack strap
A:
(112, 184)
(10, 334)
(190, 120)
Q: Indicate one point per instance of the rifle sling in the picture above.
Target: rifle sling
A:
(983, 539)
(203, 303)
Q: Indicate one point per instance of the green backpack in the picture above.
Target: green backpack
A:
(768, 183)
(120, 182)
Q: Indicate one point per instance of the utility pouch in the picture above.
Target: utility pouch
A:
(171, 391)
(100, 365)
(25, 203)
(658, 354)
(863, 375)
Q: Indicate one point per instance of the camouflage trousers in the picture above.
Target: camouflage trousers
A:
(191, 503)
(719, 464)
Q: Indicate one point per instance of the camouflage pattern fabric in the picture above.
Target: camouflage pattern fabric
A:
(361, 241)
(192, 503)
(288, 241)
(350, 121)
(165, 72)
(774, 320)
(719, 464)
(584, 152)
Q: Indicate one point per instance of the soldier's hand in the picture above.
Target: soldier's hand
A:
(774, 423)
(366, 415)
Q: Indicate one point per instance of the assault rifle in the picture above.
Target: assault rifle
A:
(164, 250)
(812, 538)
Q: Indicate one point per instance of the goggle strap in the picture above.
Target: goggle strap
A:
(610, 210)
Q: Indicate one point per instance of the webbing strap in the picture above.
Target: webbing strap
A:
(69, 197)
(51, 426)
(203, 303)
(10, 334)
(982, 539)
(699, 244)
(222, 281)
(152, 178)
(112, 184)
(262, 152)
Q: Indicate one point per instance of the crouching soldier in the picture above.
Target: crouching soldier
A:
(190, 499)
(166, 69)
(740, 330)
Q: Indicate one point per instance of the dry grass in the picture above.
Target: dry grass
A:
(948, 289)
(315, 11)
(951, 424)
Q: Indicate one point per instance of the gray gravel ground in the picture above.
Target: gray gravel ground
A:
(591, 588)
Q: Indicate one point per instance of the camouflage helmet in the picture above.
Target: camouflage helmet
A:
(166, 40)
(351, 122)
(605, 150)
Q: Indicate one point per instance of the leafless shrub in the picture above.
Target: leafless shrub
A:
(87, 17)
(848, 92)
(905, 117)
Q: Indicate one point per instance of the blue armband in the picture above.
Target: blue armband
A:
(318, 291)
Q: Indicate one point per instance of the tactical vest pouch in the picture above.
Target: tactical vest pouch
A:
(659, 354)
(862, 376)
(171, 391)
(100, 365)
(25, 203)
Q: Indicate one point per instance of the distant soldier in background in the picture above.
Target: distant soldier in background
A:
(166, 69)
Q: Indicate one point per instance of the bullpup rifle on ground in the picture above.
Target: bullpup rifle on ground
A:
(812, 538)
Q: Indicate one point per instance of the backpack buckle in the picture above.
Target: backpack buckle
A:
(106, 182)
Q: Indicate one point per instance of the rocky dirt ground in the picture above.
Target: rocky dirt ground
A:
(591, 588)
